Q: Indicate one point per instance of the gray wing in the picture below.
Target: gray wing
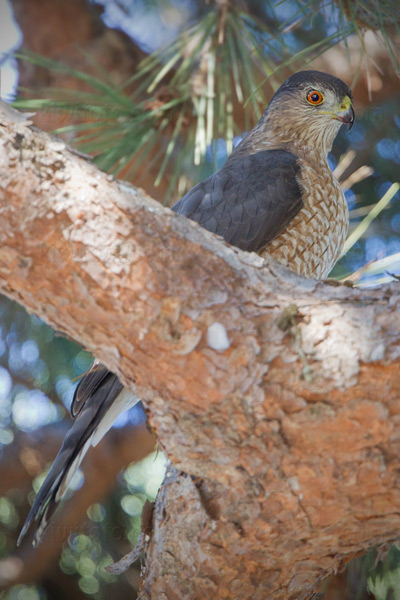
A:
(249, 201)
(90, 382)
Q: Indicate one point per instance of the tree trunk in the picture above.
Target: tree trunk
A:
(275, 397)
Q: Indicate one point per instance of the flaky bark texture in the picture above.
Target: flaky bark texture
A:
(276, 398)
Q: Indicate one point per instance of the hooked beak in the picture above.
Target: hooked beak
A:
(345, 114)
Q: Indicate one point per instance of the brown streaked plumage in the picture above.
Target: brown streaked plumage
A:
(314, 238)
(275, 195)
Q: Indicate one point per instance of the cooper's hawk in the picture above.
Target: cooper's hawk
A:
(275, 195)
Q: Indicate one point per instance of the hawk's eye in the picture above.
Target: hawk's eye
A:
(314, 97)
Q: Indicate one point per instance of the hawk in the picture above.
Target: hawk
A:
(275, 195)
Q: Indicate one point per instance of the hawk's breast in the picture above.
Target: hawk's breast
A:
(314, 238)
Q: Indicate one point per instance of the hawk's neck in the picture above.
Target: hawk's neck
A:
(308, 143)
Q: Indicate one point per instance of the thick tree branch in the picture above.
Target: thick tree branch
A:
(286, 415)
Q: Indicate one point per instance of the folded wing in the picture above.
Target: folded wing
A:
(249, 201)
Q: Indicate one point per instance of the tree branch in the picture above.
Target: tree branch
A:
(279, 394)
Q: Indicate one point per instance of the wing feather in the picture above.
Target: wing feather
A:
(249, 201)
(90, 382)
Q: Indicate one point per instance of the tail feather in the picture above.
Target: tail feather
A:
(96, 415)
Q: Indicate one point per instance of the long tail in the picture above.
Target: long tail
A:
(98, 400)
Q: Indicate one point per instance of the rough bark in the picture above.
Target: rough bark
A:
(275, 397)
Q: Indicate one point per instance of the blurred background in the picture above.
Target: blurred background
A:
(158, 92)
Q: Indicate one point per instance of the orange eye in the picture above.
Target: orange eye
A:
(314, 97)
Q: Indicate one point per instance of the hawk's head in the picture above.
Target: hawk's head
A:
(309, 109)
